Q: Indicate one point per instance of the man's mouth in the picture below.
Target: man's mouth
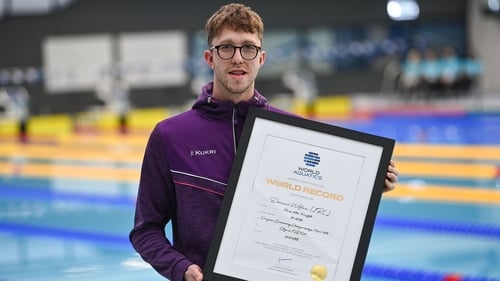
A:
(237, 72)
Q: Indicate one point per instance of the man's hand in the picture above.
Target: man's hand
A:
(193, 273)
(392, 177)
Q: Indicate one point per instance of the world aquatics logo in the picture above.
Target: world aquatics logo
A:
(311, 159)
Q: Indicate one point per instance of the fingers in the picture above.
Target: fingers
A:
(389, 186)
(392, 169)
(193, 273)
(391, 177)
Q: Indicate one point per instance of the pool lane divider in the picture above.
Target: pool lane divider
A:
(33, 194)
(69, 171)
(440, 226)
(447, 169)
(374, 270)
(387, 272)
(450, 152)
(68, 234)
(445, 194)
(407, 274)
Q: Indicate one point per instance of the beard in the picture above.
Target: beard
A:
(235, 87)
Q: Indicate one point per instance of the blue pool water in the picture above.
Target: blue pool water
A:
(57, 228)
(463, 128)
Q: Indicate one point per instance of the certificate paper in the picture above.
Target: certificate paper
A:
(298, 198)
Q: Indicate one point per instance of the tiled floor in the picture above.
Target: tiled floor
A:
(66, 206)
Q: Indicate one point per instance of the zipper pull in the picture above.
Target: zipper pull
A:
(235, 116)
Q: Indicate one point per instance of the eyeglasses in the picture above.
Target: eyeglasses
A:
(227, 51)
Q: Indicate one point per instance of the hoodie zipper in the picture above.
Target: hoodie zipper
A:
(235, 123)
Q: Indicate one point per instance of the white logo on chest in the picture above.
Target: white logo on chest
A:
(203, 152)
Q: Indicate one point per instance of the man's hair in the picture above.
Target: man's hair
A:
(235, 17)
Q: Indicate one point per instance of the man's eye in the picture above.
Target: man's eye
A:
(226, 47)
(248, 48)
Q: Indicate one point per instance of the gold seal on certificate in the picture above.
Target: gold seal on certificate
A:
(318, 273)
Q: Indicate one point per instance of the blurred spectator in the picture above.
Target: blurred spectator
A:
(431, 73)
(451, 69)
(411, 77)
(434, 76)
(304, 87)
(114, 92)
(15, 101)
(472, 71)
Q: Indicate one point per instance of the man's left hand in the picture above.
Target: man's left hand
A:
(392, 177)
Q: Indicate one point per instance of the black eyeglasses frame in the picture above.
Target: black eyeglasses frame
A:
(217, 47)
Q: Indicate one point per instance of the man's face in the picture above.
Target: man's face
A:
(234, 78)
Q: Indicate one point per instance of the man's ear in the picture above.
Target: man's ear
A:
(262, 58)
(209, 58)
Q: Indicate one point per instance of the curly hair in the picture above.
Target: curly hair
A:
(237, 17)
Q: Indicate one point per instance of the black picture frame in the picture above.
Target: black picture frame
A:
(366, 155)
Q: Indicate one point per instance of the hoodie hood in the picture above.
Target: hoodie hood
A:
(207, 105)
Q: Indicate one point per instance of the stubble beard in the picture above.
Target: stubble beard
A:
(238, 88)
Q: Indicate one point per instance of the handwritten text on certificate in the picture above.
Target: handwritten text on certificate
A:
(301, 202)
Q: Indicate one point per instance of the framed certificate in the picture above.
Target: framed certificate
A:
(300, 203)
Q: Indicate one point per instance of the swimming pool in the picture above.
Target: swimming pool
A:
(66, 207)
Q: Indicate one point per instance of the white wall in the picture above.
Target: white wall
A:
(484, 33)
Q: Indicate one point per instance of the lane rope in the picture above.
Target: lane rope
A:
(492, 231)
(406, 274)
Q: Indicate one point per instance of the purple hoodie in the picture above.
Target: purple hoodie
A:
(184, 174)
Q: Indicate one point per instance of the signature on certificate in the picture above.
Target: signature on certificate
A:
(301, 207)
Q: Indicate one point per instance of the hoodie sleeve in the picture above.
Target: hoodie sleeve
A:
(155, 207)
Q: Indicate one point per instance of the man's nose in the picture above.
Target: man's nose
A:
(237, 58)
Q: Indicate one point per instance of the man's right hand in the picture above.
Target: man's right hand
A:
(193, 273)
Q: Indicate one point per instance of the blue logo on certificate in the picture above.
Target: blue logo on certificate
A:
(311, 159)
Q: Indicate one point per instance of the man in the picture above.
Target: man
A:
(188, 157)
